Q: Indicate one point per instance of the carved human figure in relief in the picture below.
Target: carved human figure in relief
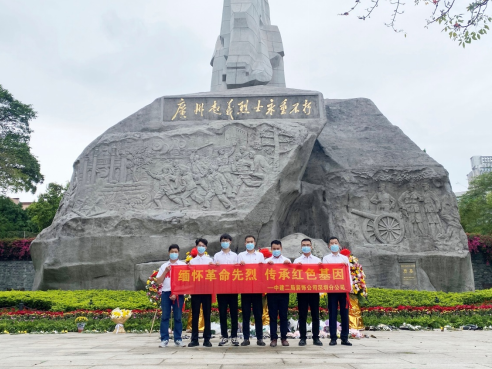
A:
(249, 50)
(432, 206)
(409, 206)
(165, 188)
(224, 164)
(383, 200)
(215, 185)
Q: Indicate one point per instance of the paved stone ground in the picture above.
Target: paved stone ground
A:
(401, 349)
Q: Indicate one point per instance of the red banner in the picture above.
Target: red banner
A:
(259, 278)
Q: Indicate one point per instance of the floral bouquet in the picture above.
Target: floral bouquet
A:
(358, 275)
(153, 288)
(120, 316)
(192, 254)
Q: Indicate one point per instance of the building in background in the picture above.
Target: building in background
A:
(17, 201)
(480, 165)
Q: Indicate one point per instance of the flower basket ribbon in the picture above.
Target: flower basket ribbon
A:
(118, 327)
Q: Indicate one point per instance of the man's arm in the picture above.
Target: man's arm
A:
(160, 279)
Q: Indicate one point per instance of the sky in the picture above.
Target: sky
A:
(84, 65)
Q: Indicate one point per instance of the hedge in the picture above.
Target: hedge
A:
(137, 300)
(75, 300)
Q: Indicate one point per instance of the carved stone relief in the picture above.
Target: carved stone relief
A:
(412, 215)
(200, 171)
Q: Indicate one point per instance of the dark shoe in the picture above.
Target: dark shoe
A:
(317, 342)
(273, 343)
(193, 344)
(207, 343)
(333, 343)
(285, 343)
(346, 343)
(223, 342)
(260, 342)
(302, 342)
(245, 343)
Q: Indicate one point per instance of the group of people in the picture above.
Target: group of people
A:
(278, 303)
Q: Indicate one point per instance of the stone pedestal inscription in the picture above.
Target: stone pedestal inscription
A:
(243, 107)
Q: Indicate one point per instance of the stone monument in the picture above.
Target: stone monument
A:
(253, 157)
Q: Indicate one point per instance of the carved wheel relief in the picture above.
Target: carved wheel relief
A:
(412, 215)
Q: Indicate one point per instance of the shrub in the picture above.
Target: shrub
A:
(481, 244)
(15, 249)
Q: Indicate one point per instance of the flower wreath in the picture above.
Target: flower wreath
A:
(153, 288)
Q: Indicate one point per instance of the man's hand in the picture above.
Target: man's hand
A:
(212, 263)
(217, 263)
(242, 263)
(320, 263)
(271, 262)
(286, 262)
(172, 297)
(167, 270)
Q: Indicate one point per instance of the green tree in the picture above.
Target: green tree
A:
(13, 219)
(475, 205)
(43, 211)
(19, 168)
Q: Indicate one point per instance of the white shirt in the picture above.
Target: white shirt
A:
(311, 259)
(166, 285)
(338, 259)
(253, 258)
(201, 260)
(225, 257)
(280, 260)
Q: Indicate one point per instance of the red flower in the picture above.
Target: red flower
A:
(266, 252)
(345, 252)
(194, 252)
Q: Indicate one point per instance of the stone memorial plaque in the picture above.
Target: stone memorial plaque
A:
(408, 275)
(238, 108)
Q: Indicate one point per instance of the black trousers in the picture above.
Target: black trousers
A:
(306, 300)
(224, 301)
(333, 300)
(278, 304)
(206, 302)
(255, 301)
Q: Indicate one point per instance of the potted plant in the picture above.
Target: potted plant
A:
(81, 321)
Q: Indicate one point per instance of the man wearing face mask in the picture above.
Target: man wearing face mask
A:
(201, 300)
(226, 256)
(278, 303)
(169, 301)
(336, 299)
(251, 300)
(306, 300)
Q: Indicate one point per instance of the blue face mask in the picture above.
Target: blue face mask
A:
(174, 256)
(250, 246)
(201, 249)
(225, 245)
(276, 253)
(335, 248)
(306, 249)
